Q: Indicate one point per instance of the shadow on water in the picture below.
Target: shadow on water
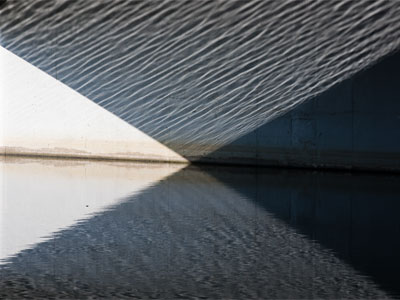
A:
(207, 232)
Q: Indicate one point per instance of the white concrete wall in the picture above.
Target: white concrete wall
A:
(40, 115)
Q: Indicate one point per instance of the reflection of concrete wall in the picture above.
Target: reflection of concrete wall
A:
(191, 235)
(354, 215)
(58, 193)
(353, 125)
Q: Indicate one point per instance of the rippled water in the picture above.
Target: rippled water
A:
(196, 75)
(78, 229)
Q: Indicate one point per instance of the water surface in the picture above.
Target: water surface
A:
(78, 229)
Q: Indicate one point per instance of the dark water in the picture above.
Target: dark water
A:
(73, 229)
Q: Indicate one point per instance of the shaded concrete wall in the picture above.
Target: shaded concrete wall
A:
(354, 125)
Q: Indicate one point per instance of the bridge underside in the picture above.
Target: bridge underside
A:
(254, 82)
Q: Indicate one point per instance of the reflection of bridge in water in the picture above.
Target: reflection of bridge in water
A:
(218, 81)
(157, 231)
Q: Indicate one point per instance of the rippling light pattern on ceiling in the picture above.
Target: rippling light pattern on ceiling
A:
(200, 74)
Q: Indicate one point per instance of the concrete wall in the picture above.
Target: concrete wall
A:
(355, 125)
(40, 116)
